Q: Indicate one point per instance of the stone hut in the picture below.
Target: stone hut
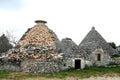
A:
(73, 56)
(97, 48)
(37, 51)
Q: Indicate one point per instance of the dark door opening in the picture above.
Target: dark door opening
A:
(77, 64)
(98, 57)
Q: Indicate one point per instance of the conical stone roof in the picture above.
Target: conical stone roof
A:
(39, 38)
(94, 40)
(71, 49)
(39, 34)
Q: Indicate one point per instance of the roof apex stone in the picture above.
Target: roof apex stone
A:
(40, 21)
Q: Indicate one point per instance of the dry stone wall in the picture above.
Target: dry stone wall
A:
(30, 65)
(10, 64)
(40, 66)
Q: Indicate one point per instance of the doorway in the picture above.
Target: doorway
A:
(98, 57)
(77, 64)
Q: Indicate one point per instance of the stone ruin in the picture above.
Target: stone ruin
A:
(40, 51)
(37, 51)
(39, 39)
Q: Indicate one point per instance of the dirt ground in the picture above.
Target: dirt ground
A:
(71, 78)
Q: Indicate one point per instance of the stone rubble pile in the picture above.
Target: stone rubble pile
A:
(39, 42)
(38, 35)
(31, 54)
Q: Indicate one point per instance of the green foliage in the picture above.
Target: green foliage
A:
(112, 64)
(113, 45)
(115, 55)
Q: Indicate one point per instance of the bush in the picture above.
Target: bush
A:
(115, 55)
(112, 63)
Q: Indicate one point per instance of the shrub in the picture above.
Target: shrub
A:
(115, 55)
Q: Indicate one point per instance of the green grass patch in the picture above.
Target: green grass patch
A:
(4, 74)
(81, 73)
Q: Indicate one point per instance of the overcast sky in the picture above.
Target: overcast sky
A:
(67, 18)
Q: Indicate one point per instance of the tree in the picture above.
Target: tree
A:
(113, 45)
(12, 39)
(4, 44)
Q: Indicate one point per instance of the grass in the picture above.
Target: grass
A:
(4, 74)
(82, 73)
